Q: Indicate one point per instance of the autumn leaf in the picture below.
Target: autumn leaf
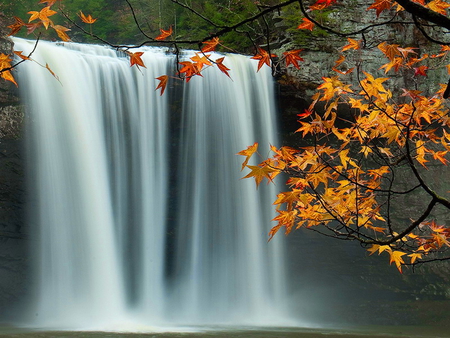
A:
(224, 69)
(4, 68)
(396, 257)
(306, 24)
(48, 2)
(23, 57)
(189, 69)
(263, 57)
(61, 31)
(42, 15)
(259, 173)
(86, 19)
(352, 44)
(321, 4)
(292, 58)
(381, 5)
(438, 6)
(248, 153)
(414, 257)
(391, 51)
(305, 113)
(210, 45)
(420, 71)
(31, 27)
(15, 27)
(162, 83)
(135, 59)
(200, 61)
(164, 34)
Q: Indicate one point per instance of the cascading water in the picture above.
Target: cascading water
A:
(137, 198)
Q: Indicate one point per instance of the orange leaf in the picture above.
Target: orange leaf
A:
(162, 83)
(19, 54)
(135, 59)
(15, 27)
(164, 34)
(396, 257)
(381, 5)
(263, 57)
(352, 44)
(292, 58)
(321, 4)
(61, 31)
(248, 153)
(222, 67)
(210, 45)
(42, 15)
(438, 6)
(189, 69)
(306, 24)
(259, 173)
(86, 19)
(420, 71)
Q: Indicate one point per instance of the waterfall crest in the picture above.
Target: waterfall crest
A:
(137, 199)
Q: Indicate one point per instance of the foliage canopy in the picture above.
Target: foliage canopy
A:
(349, 181)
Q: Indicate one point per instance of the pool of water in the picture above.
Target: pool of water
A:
(219, 332)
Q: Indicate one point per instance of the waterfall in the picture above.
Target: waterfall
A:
(136, 202)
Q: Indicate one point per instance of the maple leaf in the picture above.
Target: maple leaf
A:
(248, 153)
(61, 31)
(31, 27)
(381, 5)
(414, 257)
(263, 57)
(396, 257)
(17, 26)
(4, 65)
(23, 57)
(306, 24)
(391, 51)
(438, 6)
(305, 113)
(292, 58)
(352, 44)
(189, 69)
(42, 15)
(420, 71)
(210, 45)
(201, 60)
(164, 34)
(259, 173)
(86, 19)
(48, 2)
(162, 83)
(321, 4)
(224, 69)
(135, 59)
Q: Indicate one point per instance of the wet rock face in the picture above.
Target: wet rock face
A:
(14, 257)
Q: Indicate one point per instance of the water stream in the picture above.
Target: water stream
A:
(136, 198)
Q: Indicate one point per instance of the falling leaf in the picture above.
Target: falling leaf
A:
(164, 34)
(162, 83)
(86, 19)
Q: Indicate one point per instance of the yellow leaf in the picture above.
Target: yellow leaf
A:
(248, 153)
(396, 257)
